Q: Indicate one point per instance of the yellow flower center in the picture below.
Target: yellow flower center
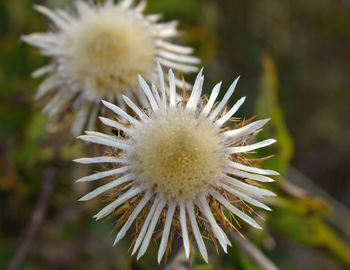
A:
(177, 155)
(109, 50)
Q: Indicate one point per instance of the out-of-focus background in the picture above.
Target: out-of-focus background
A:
(294, 61)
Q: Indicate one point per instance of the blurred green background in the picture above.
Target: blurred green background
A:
(294, 62)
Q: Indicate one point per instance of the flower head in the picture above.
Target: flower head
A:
(179, 165)
(97, 53)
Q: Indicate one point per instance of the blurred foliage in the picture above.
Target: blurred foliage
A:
(294, 60)
(302, 221)
(268, 107)
(299, 219)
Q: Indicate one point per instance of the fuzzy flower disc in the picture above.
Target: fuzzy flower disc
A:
(177, 166)
(97, 51)
(177, 154)
(110, 47)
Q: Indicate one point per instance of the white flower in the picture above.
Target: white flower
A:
(98, 52)
(176, 163)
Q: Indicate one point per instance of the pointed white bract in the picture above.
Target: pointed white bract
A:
(151, 228)
(166, 231)
(173, 161)
(132, 217)
(196, 231)
(97, 51)
(145, 225)
(184, 229)
(219, 234)
(121, 199)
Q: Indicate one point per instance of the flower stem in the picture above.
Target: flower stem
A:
(37, 215)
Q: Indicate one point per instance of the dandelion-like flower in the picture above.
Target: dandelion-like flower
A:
(178, 165)
(97, 53)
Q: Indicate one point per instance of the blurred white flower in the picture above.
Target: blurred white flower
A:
(176, 165)
(97, 52)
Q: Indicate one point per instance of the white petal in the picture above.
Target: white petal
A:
(196, 92)
(196, 232)
(225, 236)
(46, 42)
(102, 135)
(151, 228)
(40, 40)
(126, 3)
(256, 177)
(121, 103)
(251, 169)
(65, 16)
(154, 17)
(102, 159)
(245, 130)
(104, 188)
(121, 199)
(249, 188)
(145, 226)
(105, 136)
(100, 175)
(251, 147)
(162, 84)
(47, 86)
(165, 30)
(231, 112)
(172, 88)
(156, 94)
(148, 93)
(173, 47)
(177, 66)
(114, 124)
(224, 100)
(214, 94)
(234, 210)
(178, 58)
(205, 209)
(184, 229)
(42, 71)
(138, 94)
(141, 7)
(104, 141)
(120, 112)
(51, 15)
(245, 197)
(166, 231)
(134, 107)
(132, 217)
